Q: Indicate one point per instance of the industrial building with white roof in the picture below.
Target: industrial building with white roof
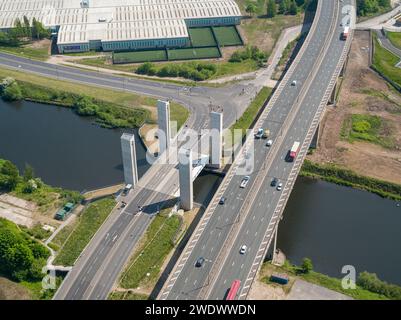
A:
(113, 25)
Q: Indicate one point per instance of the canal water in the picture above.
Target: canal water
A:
(332, 225)
(337, 226)
(64, 149)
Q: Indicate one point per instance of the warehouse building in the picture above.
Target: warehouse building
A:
(112, 25)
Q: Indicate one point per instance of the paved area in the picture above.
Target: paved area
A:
(302, 290)
(17, 210)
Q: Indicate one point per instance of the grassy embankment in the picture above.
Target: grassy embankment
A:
(385, 63)
(395, 38)
(31, 50)
(114, 106)
(252, 111)
(145, 265)
(364, 127)
(317, 278)
(341, 176)
(74, 239)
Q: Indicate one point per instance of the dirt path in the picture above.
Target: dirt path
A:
(362, 92)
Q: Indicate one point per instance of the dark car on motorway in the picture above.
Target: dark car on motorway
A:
(274, 182)
(199, 263)
(222, 200)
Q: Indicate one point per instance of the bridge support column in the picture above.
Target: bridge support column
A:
(315, 139)
(129, 159)
(186, 181)
(332, 100)
(163, 121)
(216, 139)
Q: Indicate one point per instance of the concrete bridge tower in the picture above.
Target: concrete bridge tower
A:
(216, 139)
(186, 181)
(129, 159)
(163, 120)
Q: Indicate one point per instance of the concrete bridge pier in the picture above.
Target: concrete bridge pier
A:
(332, 100)
(185, 178)
(129, 159)
(216, 139)
(163, 121)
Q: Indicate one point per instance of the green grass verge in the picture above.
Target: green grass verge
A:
(395, 38)
(149, 258)
(368, 128)
(193, 53)
(202, 37)
(88, 223)
(26, 51)
(139, 56)
(227, 36)
(116, 295)
(250, 114)
(385, 63)
(327, 282)
(341, 176)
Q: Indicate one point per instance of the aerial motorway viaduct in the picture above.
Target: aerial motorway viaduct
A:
(250, 216)
(98, 267)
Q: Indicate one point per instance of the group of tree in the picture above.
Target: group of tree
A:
(197, 71)
(21, 257)
(249, 53)
(369, 7)
(371, 282)
(286, 7)
(10, 90)
(24, 29)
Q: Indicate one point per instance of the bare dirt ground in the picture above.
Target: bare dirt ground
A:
(362, 92)
(13, 291)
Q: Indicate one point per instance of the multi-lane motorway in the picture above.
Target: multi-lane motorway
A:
(249, 216)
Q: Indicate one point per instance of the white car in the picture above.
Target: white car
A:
(243, 249)
(294, 83)
(244, 182)
(280, 187)
(269, 143)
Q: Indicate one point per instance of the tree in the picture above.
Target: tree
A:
(271, 8)
(27, 28)
(307, 265)
(12, 92)
(293, 9)
(9, 176)
(251, 9)
(28, 173)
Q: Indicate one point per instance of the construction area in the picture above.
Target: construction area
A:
(122, 25)
(362, 132)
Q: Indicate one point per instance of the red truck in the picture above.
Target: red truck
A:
(292, 154)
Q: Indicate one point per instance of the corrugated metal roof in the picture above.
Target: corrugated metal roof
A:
(110, 20)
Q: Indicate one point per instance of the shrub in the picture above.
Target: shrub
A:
(371, 282)
(12, 92)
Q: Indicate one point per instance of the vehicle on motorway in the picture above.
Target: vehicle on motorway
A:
(232, 292)
(259, 134)
(345, 33)
(269, 143)
(243, 249)
(199, 263)
(274, 182)
(294, 83)
(280, 187)
(292, 154)
(266, 133)
(244, 182)
(127, 189)
(222, 200)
